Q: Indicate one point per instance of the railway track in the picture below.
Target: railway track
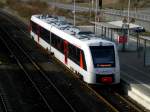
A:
(113, 109)
(107, 95)
(4, 102)
(114, 97)
(119, 101)
(3, 107)
(48, 92)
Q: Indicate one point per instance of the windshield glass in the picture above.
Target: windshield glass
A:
(103, 56)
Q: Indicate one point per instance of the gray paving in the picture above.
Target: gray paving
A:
(136, 76)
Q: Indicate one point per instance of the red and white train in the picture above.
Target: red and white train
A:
(94, 59)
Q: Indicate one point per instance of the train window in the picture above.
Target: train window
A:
(34, 27)
(61, 45)
(54, 40)
(45, 34)
(71, 50)
(58, 45)
(57, 42)
(73, 54)
(103, 56)
(78, 53)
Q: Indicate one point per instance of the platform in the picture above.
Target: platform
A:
(136, 77)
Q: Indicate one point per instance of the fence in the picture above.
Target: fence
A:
(133, 14)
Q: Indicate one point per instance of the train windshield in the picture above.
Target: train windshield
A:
(103, 56)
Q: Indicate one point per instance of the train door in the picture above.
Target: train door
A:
(65, 52)
(81, 59)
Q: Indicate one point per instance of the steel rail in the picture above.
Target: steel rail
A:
(131, 104)
(97, 94)
(3, 103)
(38, 68)
(105, 101)
(101, 96)
(43, 74)
(114, 109)
(125, 101)
(22, 68)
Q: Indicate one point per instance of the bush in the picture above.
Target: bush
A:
(2, 5)
(39, 4)
(26, 9)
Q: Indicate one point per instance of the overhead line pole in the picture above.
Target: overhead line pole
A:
(74, 13)
(96, 9)
(128, 20)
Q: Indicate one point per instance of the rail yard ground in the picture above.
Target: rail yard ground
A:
(20, 94)
(7, 65)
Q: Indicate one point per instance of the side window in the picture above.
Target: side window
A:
(52, 39)
(57, 42)
(78, 54)
(45, 34)
(34, 27)
(61, 45)
(73, 53)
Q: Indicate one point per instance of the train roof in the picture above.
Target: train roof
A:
(60, 23)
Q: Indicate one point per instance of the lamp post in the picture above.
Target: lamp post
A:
(92, 5)
(96, 9)
(128, 20)
(128, 10)
(74, 12)
(92, 8)
(54, 7)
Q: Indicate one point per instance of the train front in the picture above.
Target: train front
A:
(104, 67)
